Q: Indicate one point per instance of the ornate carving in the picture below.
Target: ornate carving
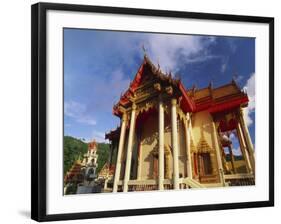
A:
(134, 106)
(157, 87)
(124, 117)
(167, 156)
(203, 146)
(146, 91)
(192, 146)
(181, 114)
(169, 90)
(146, 106)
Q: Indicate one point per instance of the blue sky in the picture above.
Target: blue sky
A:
(99, 65)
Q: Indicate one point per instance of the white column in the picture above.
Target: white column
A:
(218, 154)
(175, 143)
(161, 146)
(105, 183)
(129, 149)
(243, 148)
(119, 153)
(187, 140)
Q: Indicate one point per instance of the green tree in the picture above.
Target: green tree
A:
(103, 155)
(72, 149)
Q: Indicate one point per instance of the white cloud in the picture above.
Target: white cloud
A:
(77, 111)
(232, 45)
(223, 67)
(224, 63)
(87, 120)
(107, 91)
(232, 136)
(167, 50)
(99, 136)
(250, 89)
(237, 151)
(239, 78)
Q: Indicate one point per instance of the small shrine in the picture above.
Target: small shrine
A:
(82, 175)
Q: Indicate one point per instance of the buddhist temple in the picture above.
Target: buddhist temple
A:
(82, 174)
(106, 174)
(90, 162)
(171, 137)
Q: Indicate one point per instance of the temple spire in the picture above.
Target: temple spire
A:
(144, 50)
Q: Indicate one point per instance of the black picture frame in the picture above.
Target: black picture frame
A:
(39, 121)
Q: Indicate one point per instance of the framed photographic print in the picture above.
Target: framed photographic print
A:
(139, 111)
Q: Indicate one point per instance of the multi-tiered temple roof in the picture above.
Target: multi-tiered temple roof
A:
(215, 100)
(149, 72)
(218, 99)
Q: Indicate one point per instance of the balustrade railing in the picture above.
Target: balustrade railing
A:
(240, 180)
(151, 185)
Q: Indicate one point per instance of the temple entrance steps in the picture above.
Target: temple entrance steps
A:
(192, 183)
(209, 185)
(149, 185)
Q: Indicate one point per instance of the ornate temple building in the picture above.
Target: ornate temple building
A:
(82, 174)
(173, 138)
(89, 162)
(105, 175)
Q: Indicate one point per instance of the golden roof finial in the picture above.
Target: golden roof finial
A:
(210, 84)
(158, 64)
(144, 50)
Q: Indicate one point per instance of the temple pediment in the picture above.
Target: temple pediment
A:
(148, 83)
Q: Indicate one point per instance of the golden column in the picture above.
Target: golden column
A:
(161, 146)
(119, 154)
(232, 158)
(187, 126)
(247, 137)
(175, 143)
(243, 149)
(129, 149)
(218, 153)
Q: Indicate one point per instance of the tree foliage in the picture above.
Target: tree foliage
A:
(72, 149)
(103, 155)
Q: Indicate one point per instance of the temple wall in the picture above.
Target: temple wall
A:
(168, 143)
(202, 123)
(149, 141)
(167, 137)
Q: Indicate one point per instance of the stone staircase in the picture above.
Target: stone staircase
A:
(192, 183)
